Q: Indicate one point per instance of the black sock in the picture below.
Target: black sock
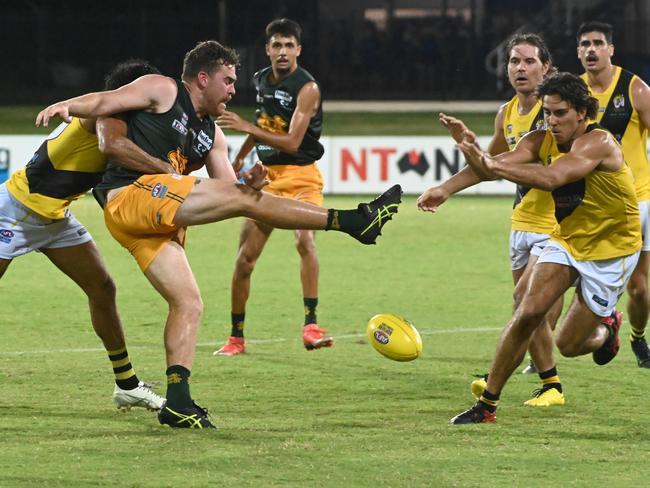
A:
(489, 401)
(125, 376)
(237, 322)
(344, 220)
(178, 386)
(310, 310)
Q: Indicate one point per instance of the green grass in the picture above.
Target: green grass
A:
(20, 120)
(340, 417)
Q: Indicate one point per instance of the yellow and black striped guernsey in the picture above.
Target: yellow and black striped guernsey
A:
(598, 216)
(617, 115)
(533, 208)
(64, 168)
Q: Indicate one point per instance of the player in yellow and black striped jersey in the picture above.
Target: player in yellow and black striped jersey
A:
(34, 215)
(532, 216)
(596, 242)
(624, 109)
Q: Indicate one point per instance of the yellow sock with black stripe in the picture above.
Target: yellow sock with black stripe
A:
(489, 400)
(636, 334)
(551, 379)
(125, 376)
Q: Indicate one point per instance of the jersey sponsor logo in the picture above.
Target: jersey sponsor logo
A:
(204, 139)
(619, 101)
(159, 191)
(509, 128)
(179, 127)
(184, 119)
(283, 97)
(600, 301)
(511, 140)
(6, 235)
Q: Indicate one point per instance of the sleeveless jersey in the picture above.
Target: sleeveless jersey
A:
(598, 216)
(64, 168)
(177, 136)
(533, 208)
(617, 115)
(275, 106)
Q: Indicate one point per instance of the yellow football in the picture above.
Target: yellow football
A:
(394, 337)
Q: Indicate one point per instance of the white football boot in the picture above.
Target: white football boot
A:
(141, 396)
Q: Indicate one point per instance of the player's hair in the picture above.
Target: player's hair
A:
(208, 56)
(533, 40)
(570, 88)
(128, 71)
(285, 27)
(593, 26)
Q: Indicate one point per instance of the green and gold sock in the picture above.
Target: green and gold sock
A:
(125, 376)
(178, 386)
(310, 310)
(237, 322)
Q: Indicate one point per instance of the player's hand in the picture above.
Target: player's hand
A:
(476, 158)
(59, 109)
(256, 176)
(431, 199)
(456, 127)
(230, 120)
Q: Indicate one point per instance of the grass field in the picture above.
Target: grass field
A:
(20, 120)
(335, 418)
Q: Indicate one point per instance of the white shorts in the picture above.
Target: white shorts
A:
(644, 213)
(523, 245)
(22, 230)
(601, 282)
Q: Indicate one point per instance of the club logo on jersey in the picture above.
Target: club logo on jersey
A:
(275, 124)
(159, 191)
(178, 160)
(283, 97)
(540, 124)
(184, 119)
(6, 235)
(412, 161)
(179, 127)
(509, 128)
(619, 101)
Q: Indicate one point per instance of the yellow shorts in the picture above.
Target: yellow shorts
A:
(302, 183)
(141, 216)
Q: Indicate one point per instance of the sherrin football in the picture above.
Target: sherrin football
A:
(394, 337)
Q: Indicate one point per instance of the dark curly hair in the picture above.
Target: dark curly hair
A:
(128, 71)
(570, 88)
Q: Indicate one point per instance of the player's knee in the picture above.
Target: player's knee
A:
(305, 244)
(638, 288)
(567, 347)
(191, 307)
(529, 315)
(102, 291)
(245, 265)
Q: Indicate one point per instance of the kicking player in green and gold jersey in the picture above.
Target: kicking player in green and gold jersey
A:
(532, 217)
(624, 110)
(35, 215)
(597, 240)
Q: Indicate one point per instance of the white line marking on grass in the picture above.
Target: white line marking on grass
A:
(250, 341)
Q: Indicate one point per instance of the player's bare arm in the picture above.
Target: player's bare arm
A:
(116, 146)
(155, 93)
(218, 165)
(641, 100)
(593, 150)
(306, 106)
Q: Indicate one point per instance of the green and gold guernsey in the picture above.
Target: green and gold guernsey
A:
(276, 104)
(598, 216)
(177, 136)
(617, 115)
(64, 168)
(533, 209)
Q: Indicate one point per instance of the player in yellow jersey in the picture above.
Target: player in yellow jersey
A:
(596, 242)
(34, 216)
(624, 109)
(532, 218)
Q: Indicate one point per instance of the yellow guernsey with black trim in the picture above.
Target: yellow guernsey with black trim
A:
(64, 168)
(533, 208)
(617, 115)
(598, 216)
